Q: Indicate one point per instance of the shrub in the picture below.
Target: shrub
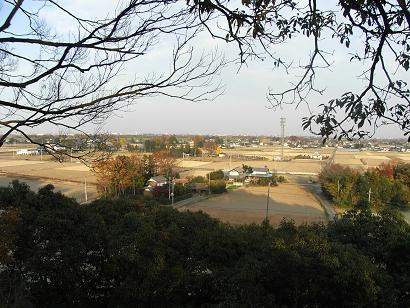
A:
(199, 179)
(218, 187)
(216, 175)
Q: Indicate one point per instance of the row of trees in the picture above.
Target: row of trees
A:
(173, 146)
(57, 253)
(127, 175)
(122, 174)
(385, 186)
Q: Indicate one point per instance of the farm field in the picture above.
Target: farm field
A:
(51, 170)
(304, 166)
(248, 205)
(70, 189)
(69, 178)
(354, 159)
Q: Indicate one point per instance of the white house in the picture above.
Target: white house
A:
(260, 172)
(236, 173)
(316, 155)
(27, 152)
(157, 181)
(22, 152)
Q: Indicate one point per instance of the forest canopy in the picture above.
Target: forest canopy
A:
(116, 253)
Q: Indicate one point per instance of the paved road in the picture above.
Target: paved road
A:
(318, 193)
(189, 201)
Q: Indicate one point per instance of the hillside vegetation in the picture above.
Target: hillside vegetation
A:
(117, 253)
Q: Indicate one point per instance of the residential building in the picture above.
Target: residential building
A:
(156, 181)
(236, 174)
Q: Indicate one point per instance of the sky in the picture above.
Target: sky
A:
(243, 108)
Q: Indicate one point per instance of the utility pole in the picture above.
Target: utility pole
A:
(85, 189)
(282, 127)
(267, 202)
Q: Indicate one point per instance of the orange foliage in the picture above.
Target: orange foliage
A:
(115, 175)
(164, 162)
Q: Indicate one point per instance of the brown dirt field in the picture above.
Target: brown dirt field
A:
(248, 205)
(70, 189)
(15, 163)
(375, 162)
(403, 157)
(81, 168)
(47, 169)
(67, 177)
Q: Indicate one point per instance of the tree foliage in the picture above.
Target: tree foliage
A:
(122, 174)
(116, 253)
(383, 186)
(218, 186)
(216, 175)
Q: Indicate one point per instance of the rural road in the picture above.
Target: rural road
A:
(316, 190)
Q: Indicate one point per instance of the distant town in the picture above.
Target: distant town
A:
(193, 145)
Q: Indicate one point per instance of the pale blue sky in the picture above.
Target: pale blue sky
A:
(243, 107)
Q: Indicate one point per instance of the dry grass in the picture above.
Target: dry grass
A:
(248, 205)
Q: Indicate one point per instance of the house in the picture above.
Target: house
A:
(316, 155)
(156, 181)
(27, 152)
(22, 152)
(236, 173)
(260, 173)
